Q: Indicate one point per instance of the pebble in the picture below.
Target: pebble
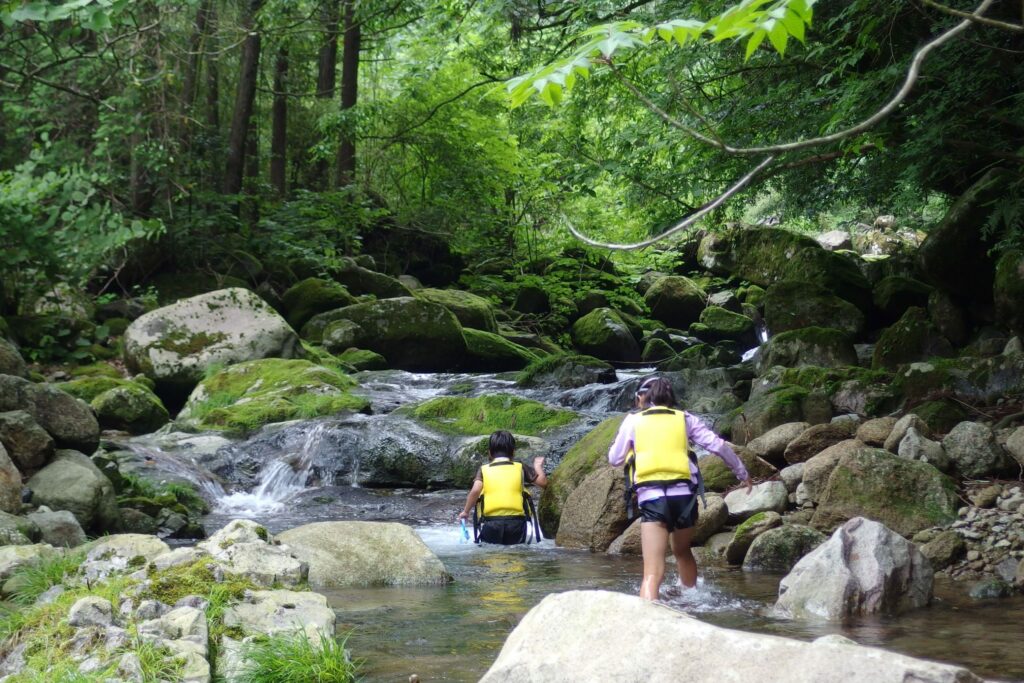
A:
(973, 555)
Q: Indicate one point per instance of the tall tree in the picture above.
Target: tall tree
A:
(279, 124)
(349, 93)
(245, 96)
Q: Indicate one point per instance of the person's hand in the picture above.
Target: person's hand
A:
(463, 515)
(749, 484)
(538, 462)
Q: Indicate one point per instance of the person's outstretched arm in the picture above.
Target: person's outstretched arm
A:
(699, 434)
(540, 479)
(471, 498)
(623, 443)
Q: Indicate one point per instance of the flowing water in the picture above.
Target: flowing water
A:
(302, 472)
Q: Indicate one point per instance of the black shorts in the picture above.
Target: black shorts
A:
(670, 511)
(509, 531)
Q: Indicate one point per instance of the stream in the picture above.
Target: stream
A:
(301, 472)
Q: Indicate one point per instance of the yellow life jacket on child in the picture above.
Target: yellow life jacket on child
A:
(661, 448)
(503, 492)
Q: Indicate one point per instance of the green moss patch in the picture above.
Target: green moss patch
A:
(561, 368)
(492, 352)
(361, 359)
(485, 414)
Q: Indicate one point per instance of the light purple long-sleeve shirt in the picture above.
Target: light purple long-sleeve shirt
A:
(696, 432)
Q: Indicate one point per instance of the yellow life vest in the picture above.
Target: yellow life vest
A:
(503, 491)
(661, 448)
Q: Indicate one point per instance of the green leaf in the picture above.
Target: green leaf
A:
(779, 37)
(795, 25)
(754, 42)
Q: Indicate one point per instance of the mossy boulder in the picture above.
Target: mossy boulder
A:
(912, 338)
(700, 357)
(904, 495)
(413, 334)
(676, 301)
(72, 482)
(532, 300)
(130, 407)
(340, 335)
(484, 414)
(794, 304)
(471, 310)
(11, 362)
(489, 352)
(747, 531)
(68, 420)
(896, 293)
(718, 477)
(360, 280)
(941, 415)
(604, 334)
(657, 350)
(980, 380)
(243, 397)
(176, 344)
(814, 346)
(1008, 291)
(583, 458)
(778, 550)
(785, 403)
(311, 296)
(721, 325)
(27, 444)
(567, 371)
(765, 256)
(361, 359)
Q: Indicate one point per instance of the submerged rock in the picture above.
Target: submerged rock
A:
(779, 549)
(605, 636)
(864, 568)
(363, 554)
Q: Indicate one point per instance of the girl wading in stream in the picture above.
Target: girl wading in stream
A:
(661, 468)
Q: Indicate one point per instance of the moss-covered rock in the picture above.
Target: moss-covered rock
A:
(130, 407)
(340, 335)
(531, 299)
(718, 477)
(360, 280)
(912, 338)
(11, 362)
(701, 357)
(567, 371)
(778, 550)
(243, 397)
(816, 346)
(905, 495)
(586, 454)
(776, 407)
(67, 419)
(361, 359)
(722, 325)
(485, 414)
(896, 293)
(765, 256)
(676, 301)
(471, 310)
(979, 380)
(72, 482)
(851, 389)
(489, 352)
(413, 334)
(1008, 291)
(604, 334)
(794, 304)
(311, 296)
(941, 415)
(657, 350)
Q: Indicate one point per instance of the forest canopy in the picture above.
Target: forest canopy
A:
(137, 137)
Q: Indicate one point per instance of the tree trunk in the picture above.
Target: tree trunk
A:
(245, 96)
(327, 61)
(349, 93)
(279, 125)
(195, 45)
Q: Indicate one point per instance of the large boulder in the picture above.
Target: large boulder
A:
(27, 444)
(778, 550)
(606, 636)
(472, 311)
(716, 324)
(11, 362)
(130, 407)
(594, 514)
(67, 419)
(311, 296)
(974, 451)
(817, 438)
(772, 444)
(1008, 291)
(794, 305)
(245, 549)
(896, 293)
(60, 529)
(808, 346)
(72, 482)
(603, 333)
(363, 554)
(905, 495)
(566, 371)
(819, 468)
(974, 380)
(360, 280)
(489, 352)
(718, 476)
(911, 338)
(176, 344)
(864, 568)
(781, 405)
(746, 532)
(413, 334)
(769, 496)
(676, 301)
(10, 484)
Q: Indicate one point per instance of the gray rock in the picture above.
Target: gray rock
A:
(121, 553)
(91, 611)
(778, 550)
(1015, 445)
(990, 589)
(899, 430)
(364, 553)
(772, 444)
(973, 449)
(28, 444)
(944, 549)
(11, 362)
(768, 496)
(60, 529)
(263, 564)
(14, 556)
(864, 568)
(606, 636)
(792, 476)
(916, 447)
(129, 668)
(67, 419)
(834, 240)
(72, 482)
(174, 345)
(594, 514)
(818, 469)
(745, 534)
(875, 432)
(280, 611)
(16, 530)
(10, 484)
(816, 439)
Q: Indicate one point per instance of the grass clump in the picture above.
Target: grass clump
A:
(136, 489)
(295, 658)
(484, 414)
(31, 580)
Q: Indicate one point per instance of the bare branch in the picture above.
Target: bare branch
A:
(912, 75)
(683, 224)
(1006, 26)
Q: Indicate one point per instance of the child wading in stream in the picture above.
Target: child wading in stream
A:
(654, 444)
(505, 509)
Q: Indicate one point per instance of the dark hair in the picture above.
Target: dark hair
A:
(501, 445)
(660, 392)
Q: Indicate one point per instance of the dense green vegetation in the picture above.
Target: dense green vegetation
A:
(262, 140)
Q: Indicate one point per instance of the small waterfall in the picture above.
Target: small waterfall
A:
(279, 480)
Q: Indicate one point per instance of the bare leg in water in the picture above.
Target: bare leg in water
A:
(685, 562)
(653, 543)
